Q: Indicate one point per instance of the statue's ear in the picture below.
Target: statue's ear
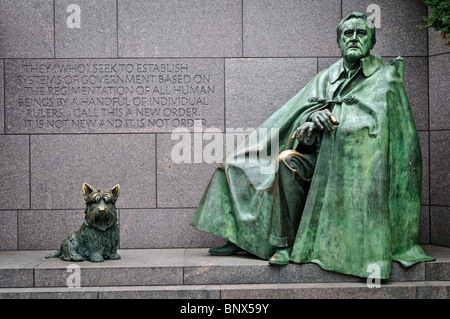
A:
(87, 189)
(115, 191)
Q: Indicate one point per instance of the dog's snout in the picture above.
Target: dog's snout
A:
(101, 210)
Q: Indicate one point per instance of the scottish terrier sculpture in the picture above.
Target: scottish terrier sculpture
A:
(98, 236)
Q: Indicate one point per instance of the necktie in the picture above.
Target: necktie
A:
(350, 73)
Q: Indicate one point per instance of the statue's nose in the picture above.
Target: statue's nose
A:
(102, 210)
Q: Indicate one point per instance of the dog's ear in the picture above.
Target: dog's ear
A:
(115, 191)
(87, 189)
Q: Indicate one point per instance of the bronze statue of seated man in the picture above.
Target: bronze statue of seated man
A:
(347, 191)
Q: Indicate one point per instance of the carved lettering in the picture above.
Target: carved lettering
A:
(110, 96)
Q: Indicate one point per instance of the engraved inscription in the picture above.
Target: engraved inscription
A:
(96, 95)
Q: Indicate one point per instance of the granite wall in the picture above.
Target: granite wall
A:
(92, 93)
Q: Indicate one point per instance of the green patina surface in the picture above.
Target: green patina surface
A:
(363, 203)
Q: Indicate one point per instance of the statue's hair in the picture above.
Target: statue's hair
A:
(358, 15)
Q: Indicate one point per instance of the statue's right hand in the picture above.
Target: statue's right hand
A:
(307, 128)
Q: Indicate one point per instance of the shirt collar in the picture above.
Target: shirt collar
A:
(369, 65)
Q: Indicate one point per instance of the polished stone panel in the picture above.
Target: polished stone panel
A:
(97, 34)
(26, 29)
(440, 225)
(177, 28)
(60, 164)
(424, 144)
(291, 28)
(439, 91)
(439, 167)
(424, 226)
(2, 98)
(40, 229)
(14, 172)
(183, 177)
(8, 230)
(162, 228)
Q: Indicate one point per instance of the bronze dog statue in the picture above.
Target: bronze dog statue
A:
(98, 236)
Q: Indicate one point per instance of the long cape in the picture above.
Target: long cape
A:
(363, 205)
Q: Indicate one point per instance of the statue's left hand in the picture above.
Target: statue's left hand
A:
(307, 128)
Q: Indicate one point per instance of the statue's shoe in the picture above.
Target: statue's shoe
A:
(281, 257)
(228, 249)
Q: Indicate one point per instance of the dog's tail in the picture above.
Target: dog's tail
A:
(54, 254)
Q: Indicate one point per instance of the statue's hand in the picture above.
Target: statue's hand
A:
(307, 128)
(324, 119)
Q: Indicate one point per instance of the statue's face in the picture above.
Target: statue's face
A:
(355, 41)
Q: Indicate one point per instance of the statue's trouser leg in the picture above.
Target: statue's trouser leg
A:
(295, 171)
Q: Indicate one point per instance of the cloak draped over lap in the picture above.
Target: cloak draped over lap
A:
(363, 204)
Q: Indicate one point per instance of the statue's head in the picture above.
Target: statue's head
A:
(355, 36)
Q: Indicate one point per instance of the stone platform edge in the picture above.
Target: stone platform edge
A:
(193, 273)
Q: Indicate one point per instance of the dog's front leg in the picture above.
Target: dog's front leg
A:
(96, 257)
(113, 256)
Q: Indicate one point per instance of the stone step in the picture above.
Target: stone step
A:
(337, 290)
(185, 271)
